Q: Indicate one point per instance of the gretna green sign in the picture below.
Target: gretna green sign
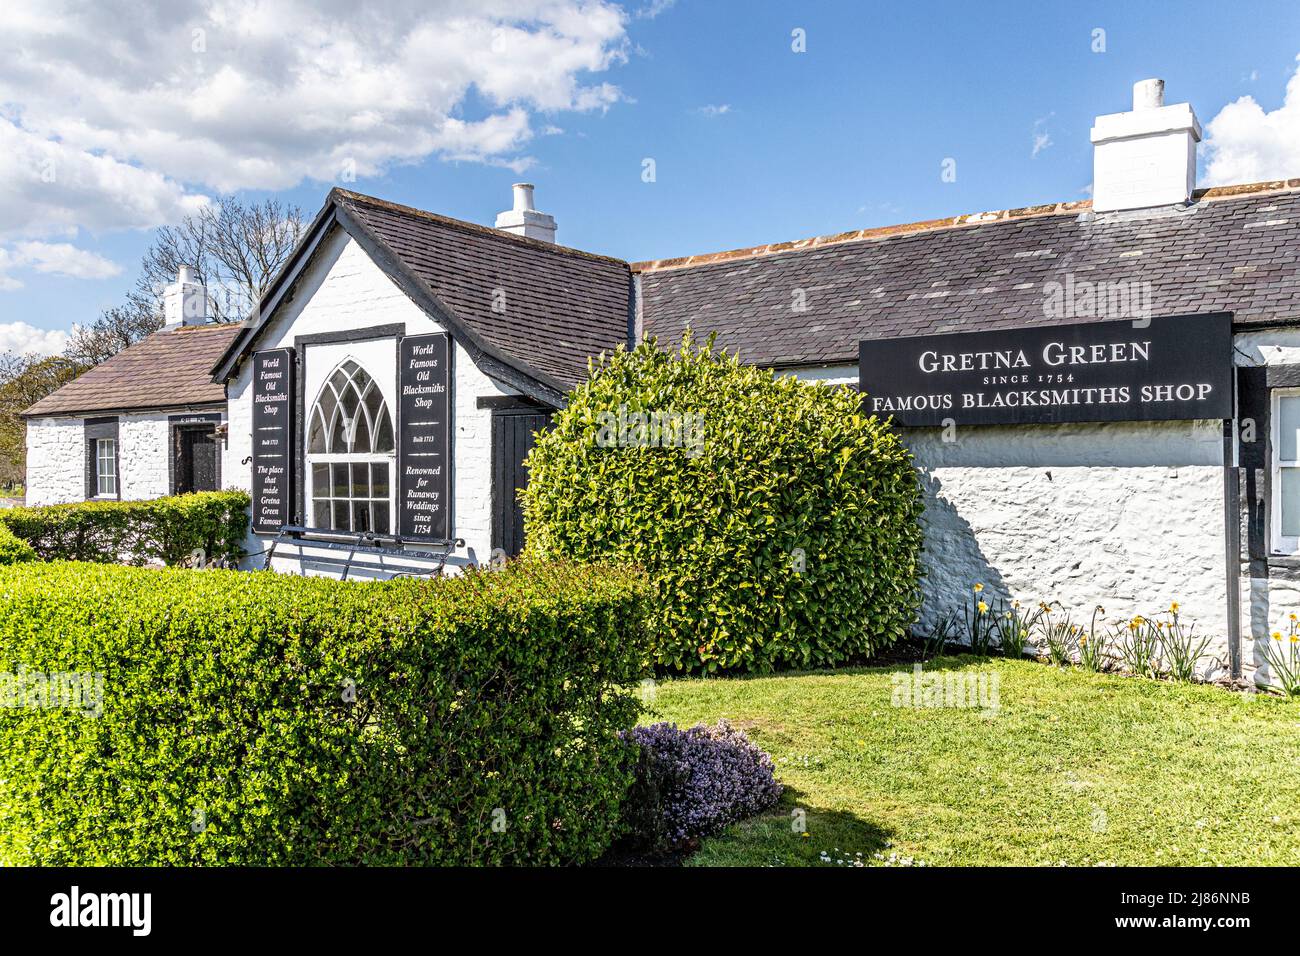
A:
(1174, 367)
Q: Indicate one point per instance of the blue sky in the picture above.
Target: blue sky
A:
(751, 141)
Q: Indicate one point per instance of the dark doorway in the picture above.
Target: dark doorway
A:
(512, 439)
(195, 459)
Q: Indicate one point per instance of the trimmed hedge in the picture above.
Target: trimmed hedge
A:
(258, 718)
(169, 530)
(780, 524)
(14, 549)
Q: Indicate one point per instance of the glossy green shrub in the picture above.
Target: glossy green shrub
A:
(169, 530)
(14, 549)
(256, 718)
(779, 524)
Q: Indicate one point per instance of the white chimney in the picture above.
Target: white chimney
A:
(524, 219)
(1146, 157)
(185, 301)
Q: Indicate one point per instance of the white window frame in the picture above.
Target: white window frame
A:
(330, 458)
(105, 476)
(1281, 544)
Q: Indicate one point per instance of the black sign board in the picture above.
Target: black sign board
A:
(1173, 367)
(424, 442)
(272, 440)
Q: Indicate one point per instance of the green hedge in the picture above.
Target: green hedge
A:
(135, 532)
(14, 549)
(258, 718)
(780, 524)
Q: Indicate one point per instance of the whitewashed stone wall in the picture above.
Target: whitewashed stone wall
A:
(56, 469)
(56, 458)
(142, 453)
(1125, 515)
(344, 291)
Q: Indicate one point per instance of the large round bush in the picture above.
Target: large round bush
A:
(779, 523)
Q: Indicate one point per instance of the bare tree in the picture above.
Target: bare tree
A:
(236, 248)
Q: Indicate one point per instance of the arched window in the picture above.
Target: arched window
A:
(350, 453)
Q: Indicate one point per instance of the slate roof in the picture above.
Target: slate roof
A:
(1235, 249)
(168, 369)
(556, 306)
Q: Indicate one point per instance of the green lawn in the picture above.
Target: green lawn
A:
(1073, 768)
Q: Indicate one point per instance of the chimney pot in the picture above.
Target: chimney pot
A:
(523, 196)
(1148, 94)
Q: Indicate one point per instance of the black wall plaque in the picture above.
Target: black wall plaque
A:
(424, 437)
(1176, 367)
(272, 440)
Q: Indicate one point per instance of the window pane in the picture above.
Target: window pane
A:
(384, 431)
(338, 432)
(340, 522)
(320, 514)
(379, 480)
(1288, 423)
(361, 433)
(320, 480)
(360, 486)
(316, 437)
(1291, 502)
(380, 511)
(340, 485)
(350, 401)
(360, 516)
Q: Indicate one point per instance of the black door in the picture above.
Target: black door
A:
(196, 459)
(512, 440)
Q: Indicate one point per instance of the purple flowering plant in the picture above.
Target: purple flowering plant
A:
(695, 782)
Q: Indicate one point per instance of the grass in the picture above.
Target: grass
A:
(1073, 768)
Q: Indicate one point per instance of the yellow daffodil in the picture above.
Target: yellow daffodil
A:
(979, 588)
(1277, 635)
(982, 606)
(1173, 608)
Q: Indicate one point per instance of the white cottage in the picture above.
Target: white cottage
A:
(1141, 450)
(146, 423)
(384, 401)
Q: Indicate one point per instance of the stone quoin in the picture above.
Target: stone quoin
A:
(1102, 398)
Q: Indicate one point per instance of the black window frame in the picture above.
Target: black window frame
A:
(96, 429)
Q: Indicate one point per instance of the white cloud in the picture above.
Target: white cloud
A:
(25, 339)
(53, 258)
(1245, 144)
(1042, 138)
(128, 115)
(654, 8)
(712, 110)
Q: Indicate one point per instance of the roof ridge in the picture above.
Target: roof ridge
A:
(1214, 193)
(472, 227)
